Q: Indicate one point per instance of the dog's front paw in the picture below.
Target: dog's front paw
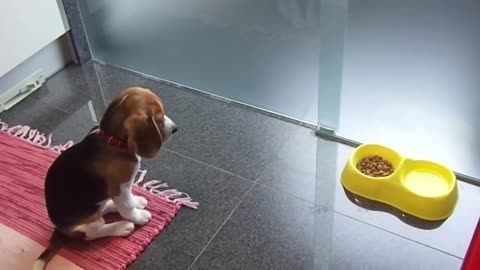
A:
(124, 228)
(140, 216)
(140, 202)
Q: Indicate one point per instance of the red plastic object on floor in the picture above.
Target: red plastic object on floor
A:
(472, 260)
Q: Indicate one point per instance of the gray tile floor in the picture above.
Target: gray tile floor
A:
(269, 192)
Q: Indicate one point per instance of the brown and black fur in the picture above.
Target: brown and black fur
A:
(92, 170)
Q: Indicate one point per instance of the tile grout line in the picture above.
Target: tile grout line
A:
(46, 104)
(209, 165)
(40, 99)
(399, 235)
(223, 224)
(280, 191)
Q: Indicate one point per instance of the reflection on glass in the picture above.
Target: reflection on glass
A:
(333, 21)
(263, 53)
(410, 79)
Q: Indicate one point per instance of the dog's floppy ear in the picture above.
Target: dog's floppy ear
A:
(144, 135)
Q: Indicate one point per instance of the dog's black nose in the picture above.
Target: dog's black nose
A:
(174, 130)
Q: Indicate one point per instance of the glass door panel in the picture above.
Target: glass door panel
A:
(410, 79)
(261, 53)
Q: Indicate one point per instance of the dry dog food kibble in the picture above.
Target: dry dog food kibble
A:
(375, 166)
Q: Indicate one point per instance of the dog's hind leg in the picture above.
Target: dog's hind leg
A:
(99, 229)
(108, 206)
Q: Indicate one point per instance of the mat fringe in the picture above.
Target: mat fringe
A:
(39, 139)
(34, 137)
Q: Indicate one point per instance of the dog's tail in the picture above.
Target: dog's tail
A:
(57, 241)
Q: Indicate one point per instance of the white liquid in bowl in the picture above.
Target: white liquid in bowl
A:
(426, 184)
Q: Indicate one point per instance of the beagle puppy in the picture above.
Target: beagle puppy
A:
(95, 176)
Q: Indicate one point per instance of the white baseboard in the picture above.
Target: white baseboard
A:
(12, 96)
(31, 74)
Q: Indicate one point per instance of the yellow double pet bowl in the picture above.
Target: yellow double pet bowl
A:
(420, 188)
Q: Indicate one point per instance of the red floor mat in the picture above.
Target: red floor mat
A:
(25, 158)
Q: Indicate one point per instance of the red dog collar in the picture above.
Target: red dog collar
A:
(112, 140)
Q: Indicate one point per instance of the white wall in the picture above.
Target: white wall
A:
(27, 26)
(48, 60)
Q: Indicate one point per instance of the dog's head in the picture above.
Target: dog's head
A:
(138, 116)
